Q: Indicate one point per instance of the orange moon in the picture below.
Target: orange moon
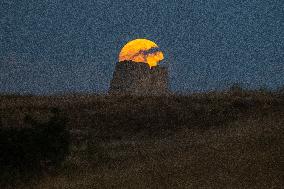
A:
(141, 50)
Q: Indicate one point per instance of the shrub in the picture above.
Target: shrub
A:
(31, 150)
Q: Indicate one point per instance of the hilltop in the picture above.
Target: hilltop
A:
(228, 139)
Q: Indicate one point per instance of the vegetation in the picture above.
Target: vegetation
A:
(231, 139)
(26, 152)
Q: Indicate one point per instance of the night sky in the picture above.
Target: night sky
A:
(53, 46)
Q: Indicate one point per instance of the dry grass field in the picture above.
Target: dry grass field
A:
(212, 140)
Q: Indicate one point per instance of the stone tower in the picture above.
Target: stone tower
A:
(137, 78)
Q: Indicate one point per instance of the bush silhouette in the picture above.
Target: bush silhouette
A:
(33, 149)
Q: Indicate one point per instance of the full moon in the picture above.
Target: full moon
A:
(141, 50)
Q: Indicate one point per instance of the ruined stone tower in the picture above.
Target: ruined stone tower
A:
(137, 78)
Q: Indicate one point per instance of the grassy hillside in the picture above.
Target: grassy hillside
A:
(212, 140)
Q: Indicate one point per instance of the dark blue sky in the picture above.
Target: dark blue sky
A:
(53, 46)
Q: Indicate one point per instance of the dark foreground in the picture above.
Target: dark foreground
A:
(217, 140)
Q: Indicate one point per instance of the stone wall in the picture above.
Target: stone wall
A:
(137, 78)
